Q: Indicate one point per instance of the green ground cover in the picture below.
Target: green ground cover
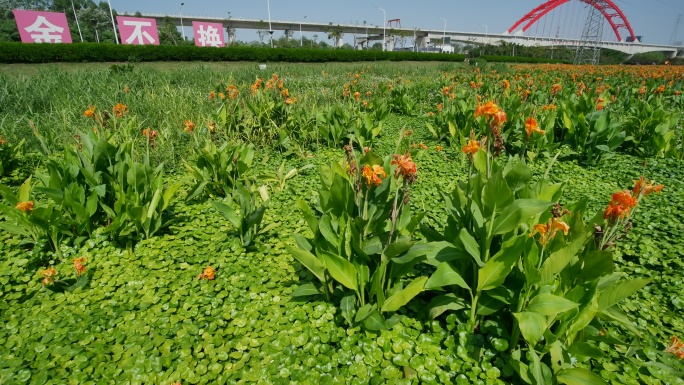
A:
(140, 314)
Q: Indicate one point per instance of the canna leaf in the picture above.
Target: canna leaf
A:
(445, 275)
(341, 270)
(517, 213)
(401, 298)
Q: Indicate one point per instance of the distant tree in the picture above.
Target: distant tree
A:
(377, 47)
(168, 33)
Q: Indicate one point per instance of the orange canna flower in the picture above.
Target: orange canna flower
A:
(2, 142)
(676, 347)
(445, 91)
(620, 205)
(78, 265)
(150, 134)
(532, 126)
(559, 225)
(440, 106)
(26, 207)
(285, 93)
(120, 109)
(548, 231)
(438, 148)
(472, 147)
(189, 126)
(422, 146)
(373, 175)
(222, 95)
(625, 198)
(212, 95)
(90, 112)
(642, 187)
(212, 127)
(207, 274)
(405, 166)
(543, 231)
(357, 96)
(232, 92)
(48, 275)
(556, 88)
(499, 118)
(290, 101)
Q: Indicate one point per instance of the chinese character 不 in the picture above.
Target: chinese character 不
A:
(42, 31)
(209, 37)
(138, 32)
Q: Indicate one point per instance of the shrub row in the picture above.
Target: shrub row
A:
(90, 52)
(522, 59)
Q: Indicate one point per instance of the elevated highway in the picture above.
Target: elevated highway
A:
(421, 37)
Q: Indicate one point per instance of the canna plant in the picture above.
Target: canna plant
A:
(651, 128)
(218, 169)
(247, 219)
(142, 199)
(9, 155)
(591, 137)
(362, 249)
(80, 182)
(35, 222)
(533, 275)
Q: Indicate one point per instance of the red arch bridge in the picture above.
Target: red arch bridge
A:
(361, 35)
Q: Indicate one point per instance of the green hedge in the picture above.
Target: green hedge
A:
(90, 52)
(521, 59)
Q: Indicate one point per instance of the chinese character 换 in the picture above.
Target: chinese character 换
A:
(42, 31)
(209, 37)
(138, 32)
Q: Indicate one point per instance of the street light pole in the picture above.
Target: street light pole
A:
(384, 21)
(301, 41)
(76, 17)
(444, 36)
(111, 14)
(181, 19)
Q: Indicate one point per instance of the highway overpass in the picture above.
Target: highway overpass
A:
(420, 37)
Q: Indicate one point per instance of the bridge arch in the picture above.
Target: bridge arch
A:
(610, 11)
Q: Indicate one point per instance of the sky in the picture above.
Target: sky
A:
(653, 19)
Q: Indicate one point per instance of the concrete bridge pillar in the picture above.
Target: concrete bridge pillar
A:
(289, 34)
(339, 40)
(231, 35)
(422, 42)
(390, 42)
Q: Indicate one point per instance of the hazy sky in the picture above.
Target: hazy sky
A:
(653, 19)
